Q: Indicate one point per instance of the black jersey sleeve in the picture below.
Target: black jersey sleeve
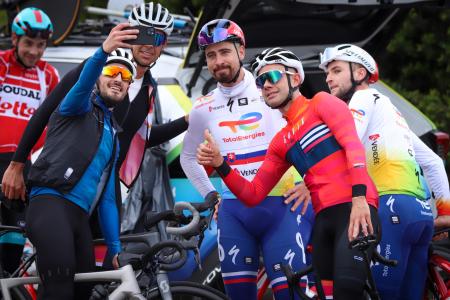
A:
(163, 132)
(40, 118)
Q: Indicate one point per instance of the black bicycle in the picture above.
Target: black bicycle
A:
(362, 243)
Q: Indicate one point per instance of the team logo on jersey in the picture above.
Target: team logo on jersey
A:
(212, 108)
(231, 157)
(16, 109)
(246, 122)
(374, 148)
(358, 114)
(20, 91)
(374, 137)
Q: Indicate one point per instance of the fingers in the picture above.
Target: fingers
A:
(299, 194)
(305, 206)
(208, 137)
(117, 36)
(205, 155)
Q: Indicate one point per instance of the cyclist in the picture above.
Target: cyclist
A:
(392, 150)
(74, 173)
(320, 140)
(238, 116)
(134, 114)
(25, 80)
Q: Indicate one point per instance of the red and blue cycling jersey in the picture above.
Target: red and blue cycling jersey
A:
(324, 147)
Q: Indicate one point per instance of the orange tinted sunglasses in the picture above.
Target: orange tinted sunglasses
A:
(113, 71)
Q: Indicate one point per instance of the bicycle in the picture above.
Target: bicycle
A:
(154, 262)
(437, 286)
(362, 243)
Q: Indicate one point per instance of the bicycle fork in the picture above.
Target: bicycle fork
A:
(163, 285)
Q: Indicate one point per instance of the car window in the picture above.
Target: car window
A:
(63, 67)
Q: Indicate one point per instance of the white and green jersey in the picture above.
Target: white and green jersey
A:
(393, 151)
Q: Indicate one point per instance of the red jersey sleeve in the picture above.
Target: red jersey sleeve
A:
(270, 172)
(341, 123)
(52, 77)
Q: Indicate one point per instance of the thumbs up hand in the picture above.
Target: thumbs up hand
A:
(208, 154)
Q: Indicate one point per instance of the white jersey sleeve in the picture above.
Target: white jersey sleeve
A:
(433, 168)
(194, 136)
(362, 110)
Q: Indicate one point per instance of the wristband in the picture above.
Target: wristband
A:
(224, 169)
(359, 190)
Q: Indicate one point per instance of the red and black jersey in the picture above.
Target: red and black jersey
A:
(320, 140)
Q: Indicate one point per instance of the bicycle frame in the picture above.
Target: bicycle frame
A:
(128, 286)
(438, 264)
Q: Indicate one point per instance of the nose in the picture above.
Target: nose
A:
(33, 50)
(328, 78)
(267, 84)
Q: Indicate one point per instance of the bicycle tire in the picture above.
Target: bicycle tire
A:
(188, 291)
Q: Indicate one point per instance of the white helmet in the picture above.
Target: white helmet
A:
(277, 56)
(152, 15)
(350, 53)
(122, 56)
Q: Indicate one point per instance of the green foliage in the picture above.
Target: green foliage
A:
(417, 64)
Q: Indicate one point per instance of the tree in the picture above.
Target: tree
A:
(417, 63)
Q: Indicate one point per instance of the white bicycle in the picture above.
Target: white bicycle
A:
(149, 257)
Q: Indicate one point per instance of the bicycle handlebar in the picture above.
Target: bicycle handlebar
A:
(178, 210)
(363, 242)
(176, 215)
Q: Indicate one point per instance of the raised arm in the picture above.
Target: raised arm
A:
(77, 101)
(250, 193)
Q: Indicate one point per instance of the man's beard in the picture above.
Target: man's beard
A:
(224, 78)
(111, 102)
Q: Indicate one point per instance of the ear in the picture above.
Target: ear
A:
(296, 79)
(14, 39)
(360, 73)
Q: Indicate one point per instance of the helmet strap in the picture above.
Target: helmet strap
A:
(349, 94)
(291, 91)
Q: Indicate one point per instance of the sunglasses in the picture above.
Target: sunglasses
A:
(273, 76)
(113, 71)
(160, 39)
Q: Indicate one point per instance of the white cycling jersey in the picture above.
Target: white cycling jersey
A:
(242, 126)
(393, 151)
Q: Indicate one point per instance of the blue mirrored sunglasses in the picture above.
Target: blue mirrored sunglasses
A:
(160, 38)
(273, 76)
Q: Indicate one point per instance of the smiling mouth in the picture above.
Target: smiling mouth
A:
(115, 88)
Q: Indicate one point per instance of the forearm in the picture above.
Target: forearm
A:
(109, 218)
(196, 174)
(250, 193)
(164, 132)
(77, 100)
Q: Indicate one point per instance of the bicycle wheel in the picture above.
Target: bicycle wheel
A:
(185, 290)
